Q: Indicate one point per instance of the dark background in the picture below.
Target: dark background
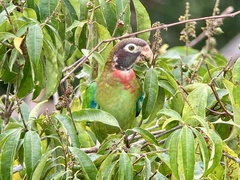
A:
(168, 11)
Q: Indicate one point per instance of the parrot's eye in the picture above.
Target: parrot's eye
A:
(131, 47)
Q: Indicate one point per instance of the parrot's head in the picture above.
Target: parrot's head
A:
(129, 51)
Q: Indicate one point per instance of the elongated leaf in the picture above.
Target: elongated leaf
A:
(234, 92)
(41, 165)
(8, 154)
(173, 153)
(32, 151)
(147, 168)
(34, 42)
(69, 127)
(236, 72)
(123, 9)
(125, 167)
(188, 152)
(3, 14)
(159, 105)
(107, 167)
(95, 115)
(146, 135)
(46, 8)
(6, 35)
(151, 93)
(83, 10)
(203, 148)
(197, 100)
(88, 167)
(143, 19)
(170, 113)
(109, 14)
(216, 153)
(72, 9)
(53, 70)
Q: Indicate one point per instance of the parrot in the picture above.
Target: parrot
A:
(117, 90)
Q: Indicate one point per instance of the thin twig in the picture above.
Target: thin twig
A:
(211, 84)
(162, 26)
(199, 38)
(8, 17)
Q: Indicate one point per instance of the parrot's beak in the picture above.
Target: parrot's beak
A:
(146, 54)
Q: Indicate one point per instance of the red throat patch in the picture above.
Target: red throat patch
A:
(125, 78)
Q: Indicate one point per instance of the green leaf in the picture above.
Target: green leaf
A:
(32, 151)
(6, 35)
(173, 153)
(107, 166)
(71, 8)
(151, 93)
(143, 19)
(188, 152)
(53, 70)
(42, 163)
(8, 155)
(109, 14)
(3, 14)
(83, 10)
(125, 167)
(27, 83)
(46, 8)
(234, 92)
(95, 115)
(236, 72)
(147, 168)
(216, 153)
(159, 105)
(69, 128)
(197, 100)
(88, 167)
(123, 8)
(203, 148)
(34, 42)
(146, 135)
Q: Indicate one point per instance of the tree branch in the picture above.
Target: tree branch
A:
(79, 62)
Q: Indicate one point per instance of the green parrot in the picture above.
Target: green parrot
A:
(117, 90)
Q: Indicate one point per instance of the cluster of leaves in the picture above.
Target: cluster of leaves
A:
(190, 112)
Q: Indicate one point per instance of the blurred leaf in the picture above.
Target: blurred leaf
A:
(95, 115)
(151, 93)
(42, 164)
(83, 9)
(188, 152)
(71, 5)
(236, 72)
(203, 148)
(67, 124)
(32, 151)
(123, 8)
(125, 167)
(146, 135)
(143, 20)
(106, 170)
(159, 105)
(88, 167)
(234, 92)
(6, 35)
(147, 168)
(173, 153)
(34, 42)
(8, 153)
(216, 153)
(198, 103)
(108, 9)
(46, 8)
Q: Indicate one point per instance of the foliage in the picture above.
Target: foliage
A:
(190, 118)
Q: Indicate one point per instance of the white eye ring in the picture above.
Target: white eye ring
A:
(131, 48)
